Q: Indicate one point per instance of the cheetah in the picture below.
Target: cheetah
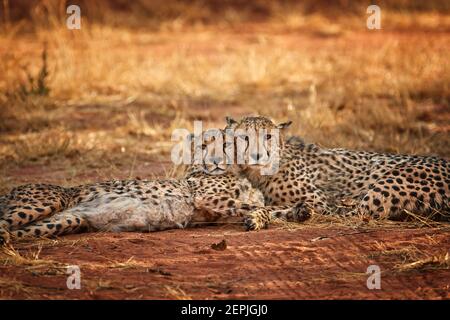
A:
(44, 210)
(339, 181)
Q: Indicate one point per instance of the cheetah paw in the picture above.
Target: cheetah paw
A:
(254, 222)
(301, 212)
(4, 237)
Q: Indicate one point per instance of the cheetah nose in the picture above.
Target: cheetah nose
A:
(256, 156)
(216, 160)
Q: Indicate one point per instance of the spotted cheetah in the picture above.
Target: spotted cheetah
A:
(44, 210)
(324, 181)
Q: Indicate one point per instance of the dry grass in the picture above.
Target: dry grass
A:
(29, 261)
(441, 261)
(12, 285)
(409, 257)
(406, 253)
(362, 224)
(177, 293)
(368, 99)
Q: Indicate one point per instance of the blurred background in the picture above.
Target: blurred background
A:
(101, 102)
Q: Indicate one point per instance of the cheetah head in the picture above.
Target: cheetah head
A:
(210, 153)
(258, 142)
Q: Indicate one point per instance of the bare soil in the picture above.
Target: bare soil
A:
(278, 263)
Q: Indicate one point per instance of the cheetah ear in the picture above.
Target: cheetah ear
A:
(284, 125)
(231, 123)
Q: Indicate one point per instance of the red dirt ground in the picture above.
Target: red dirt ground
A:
(278, 263)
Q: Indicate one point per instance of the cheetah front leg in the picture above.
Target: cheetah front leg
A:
(260, 218)
(59, 224)
(296, 213)
(223, 206)
(257, 219)
(313, 201)
(308, 200)
(217, 207)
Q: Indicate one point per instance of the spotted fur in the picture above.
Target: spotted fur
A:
(321, 180)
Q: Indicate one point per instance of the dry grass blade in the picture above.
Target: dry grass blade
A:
(10, 256)
(177, 293)
(128, 264)
(14, 285)
(441, 261)
(407, 253)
